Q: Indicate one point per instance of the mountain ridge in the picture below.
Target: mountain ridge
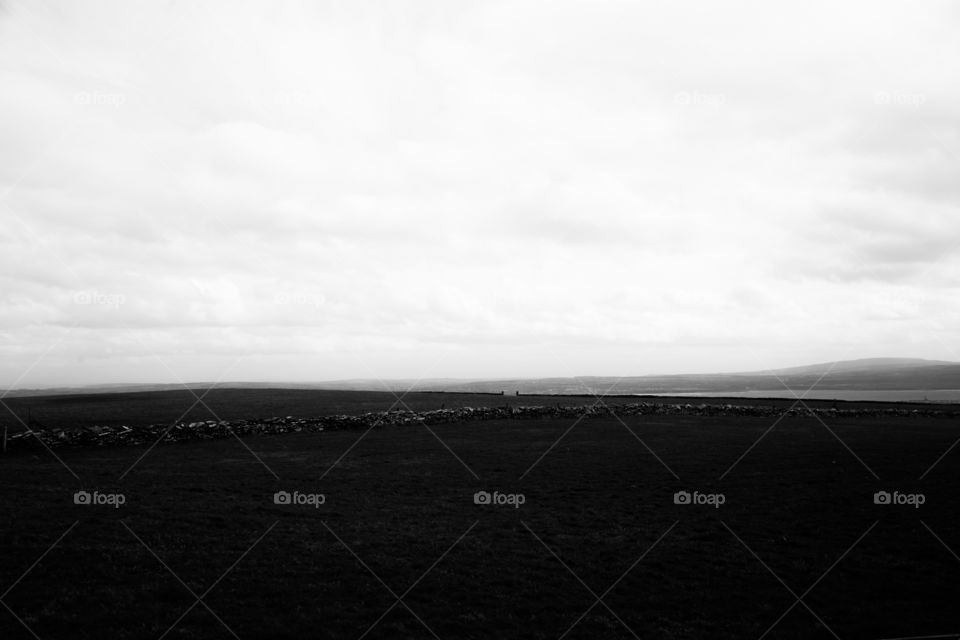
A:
(874, 374)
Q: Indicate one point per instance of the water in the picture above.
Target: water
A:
(896, 395)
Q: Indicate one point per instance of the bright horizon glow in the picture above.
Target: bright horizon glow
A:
(477, 190)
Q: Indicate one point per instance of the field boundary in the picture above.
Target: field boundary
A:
(99, 436)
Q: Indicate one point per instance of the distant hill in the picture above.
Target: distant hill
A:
(865, 375)
(863, 365)
(874, 374)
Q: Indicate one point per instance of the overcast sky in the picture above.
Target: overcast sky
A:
(282, 191)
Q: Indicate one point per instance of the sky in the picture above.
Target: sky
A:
(283, 191)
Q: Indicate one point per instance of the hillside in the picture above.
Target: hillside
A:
(867, 375)
(876, 374)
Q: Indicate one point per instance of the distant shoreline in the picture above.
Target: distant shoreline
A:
(935, 396)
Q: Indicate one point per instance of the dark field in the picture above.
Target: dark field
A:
(399, 522)
(164, 407)
(152, 407)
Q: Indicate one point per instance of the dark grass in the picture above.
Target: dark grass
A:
(400, 499)
(164, 407)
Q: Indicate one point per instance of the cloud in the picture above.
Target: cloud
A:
(306, 185)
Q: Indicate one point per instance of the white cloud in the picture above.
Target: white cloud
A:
(625, 187)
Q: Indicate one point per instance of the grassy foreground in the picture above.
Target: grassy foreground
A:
(399, 549)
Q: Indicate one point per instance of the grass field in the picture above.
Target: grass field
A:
(399, 522)
(164, 407)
